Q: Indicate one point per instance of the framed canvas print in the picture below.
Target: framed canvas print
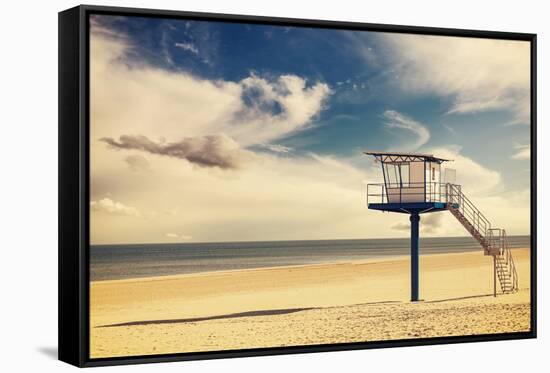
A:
(238, 186)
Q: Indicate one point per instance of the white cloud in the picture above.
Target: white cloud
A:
(523, 152)
(476, 179)
(187, 47)
(395, 119)
(277, 148)
(112, 207)
(178, 236)
(178, 105)
(450, 129)
(277, 108)
(476, 74)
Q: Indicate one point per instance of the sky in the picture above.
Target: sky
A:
(211, 131)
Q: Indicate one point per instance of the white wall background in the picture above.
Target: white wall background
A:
(28, 184)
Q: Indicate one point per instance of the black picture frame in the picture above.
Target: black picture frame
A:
(74, 179)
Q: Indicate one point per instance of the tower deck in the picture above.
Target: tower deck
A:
(412, 207)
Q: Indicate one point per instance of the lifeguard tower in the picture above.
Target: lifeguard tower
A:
(413, 185)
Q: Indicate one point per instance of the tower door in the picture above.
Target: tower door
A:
(433, 182)
(416, 189)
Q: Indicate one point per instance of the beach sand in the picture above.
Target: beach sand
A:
(303, 305)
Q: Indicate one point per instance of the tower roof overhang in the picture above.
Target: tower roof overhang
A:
(391, 157)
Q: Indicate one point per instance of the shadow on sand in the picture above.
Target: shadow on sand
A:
(460, 298)
(232, 315)
(218, 317)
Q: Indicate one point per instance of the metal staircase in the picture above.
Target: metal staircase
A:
(493, 240)
(504, 262)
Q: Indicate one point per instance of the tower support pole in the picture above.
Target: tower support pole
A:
(415, 219)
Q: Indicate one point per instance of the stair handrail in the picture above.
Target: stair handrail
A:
(468, 209)
(506, 268)
(493, 240)
(510, 260)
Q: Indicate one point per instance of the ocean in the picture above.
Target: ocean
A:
(113, 262)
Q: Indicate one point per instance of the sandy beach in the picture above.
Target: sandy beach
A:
(302, 305)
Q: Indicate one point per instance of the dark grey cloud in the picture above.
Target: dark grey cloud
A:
(205, 151)
(137, 162)
(429, 223)
(401, 226)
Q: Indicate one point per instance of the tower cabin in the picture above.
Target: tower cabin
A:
(413, 185)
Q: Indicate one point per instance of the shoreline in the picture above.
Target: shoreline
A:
(277, 241)
(267, 268)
